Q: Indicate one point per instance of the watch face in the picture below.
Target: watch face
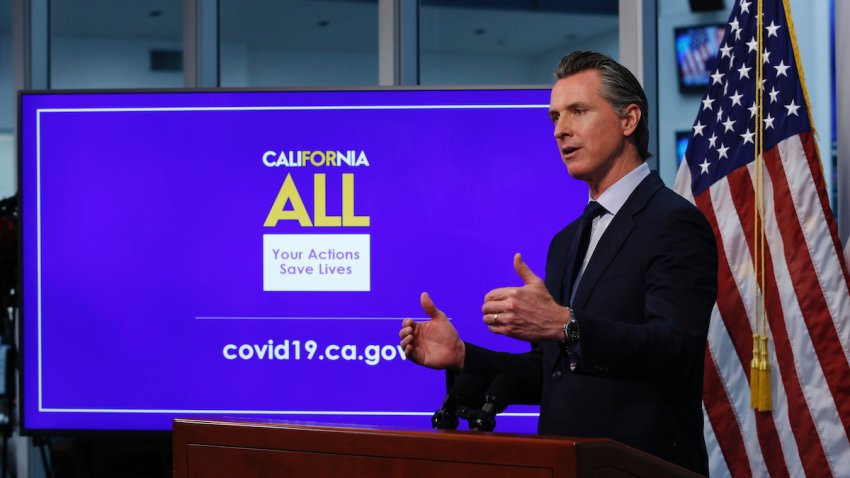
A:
(572, 332)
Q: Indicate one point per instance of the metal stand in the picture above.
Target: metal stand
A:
(43, 444)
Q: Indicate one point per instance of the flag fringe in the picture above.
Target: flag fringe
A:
(755, 381)
(764, 404)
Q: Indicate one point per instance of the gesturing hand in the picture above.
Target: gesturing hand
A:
(526, 313)
(433, 343)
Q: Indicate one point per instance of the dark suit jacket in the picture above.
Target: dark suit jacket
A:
(643, 307)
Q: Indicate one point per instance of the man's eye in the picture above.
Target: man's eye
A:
(580, 111)
(554, 118)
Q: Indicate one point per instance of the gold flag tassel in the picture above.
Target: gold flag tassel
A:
(765, 403)
(755, 377)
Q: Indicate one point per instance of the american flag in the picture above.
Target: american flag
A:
(806, 298)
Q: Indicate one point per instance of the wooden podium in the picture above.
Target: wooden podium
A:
(211, 449)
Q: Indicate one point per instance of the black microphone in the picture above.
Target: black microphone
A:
(465, 393)
(499, 395)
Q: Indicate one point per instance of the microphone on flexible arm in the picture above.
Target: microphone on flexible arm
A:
(499, 395)
(519, 382)
(514, 380)
(466, 392)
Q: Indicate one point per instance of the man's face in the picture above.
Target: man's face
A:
(591, 135)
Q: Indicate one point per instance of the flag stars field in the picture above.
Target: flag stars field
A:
(736, 98)
(792, 108)
(774, 93)
(748, 136)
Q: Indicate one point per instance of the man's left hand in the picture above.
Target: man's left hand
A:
(526, 313)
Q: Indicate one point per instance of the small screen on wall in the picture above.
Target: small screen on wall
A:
(681, 145)
(696, 53)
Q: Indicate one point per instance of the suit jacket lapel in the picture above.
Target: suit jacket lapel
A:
(614, 237)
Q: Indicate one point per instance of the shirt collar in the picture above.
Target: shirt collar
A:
(616, 195)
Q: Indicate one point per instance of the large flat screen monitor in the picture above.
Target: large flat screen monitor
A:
(696, 55)
(251, 254)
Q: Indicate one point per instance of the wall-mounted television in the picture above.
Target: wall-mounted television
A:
(682, 138)
(696, 54)
(251, 254)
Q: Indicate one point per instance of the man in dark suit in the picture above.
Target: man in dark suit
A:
(618, 328)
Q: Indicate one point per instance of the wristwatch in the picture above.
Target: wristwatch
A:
(572, 334)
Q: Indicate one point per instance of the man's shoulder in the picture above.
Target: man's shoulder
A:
(659, 208)
(672, 202)
(667, 198)
(654, 197)
(668, 214)
(566, 233)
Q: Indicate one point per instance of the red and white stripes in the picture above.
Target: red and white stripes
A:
(807, 305)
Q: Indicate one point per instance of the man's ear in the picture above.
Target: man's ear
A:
(630, 119)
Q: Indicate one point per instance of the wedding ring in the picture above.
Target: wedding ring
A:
(495, 316)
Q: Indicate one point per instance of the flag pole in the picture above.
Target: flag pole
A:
(760, 387)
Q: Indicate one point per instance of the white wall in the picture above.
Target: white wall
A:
(309, 68)
(235, 57)
(444, 69)
(7, 96)
(109, 63)
(607, 42)
(811, 22)
(8, 165)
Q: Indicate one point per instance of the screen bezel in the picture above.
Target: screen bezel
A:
(685, 88)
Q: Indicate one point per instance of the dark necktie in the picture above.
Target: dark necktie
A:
(578, 248)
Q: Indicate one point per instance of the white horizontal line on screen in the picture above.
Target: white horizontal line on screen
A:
(308, 318)
(286, 108)
(262, 412)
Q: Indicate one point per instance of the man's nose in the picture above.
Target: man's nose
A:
(562, 128)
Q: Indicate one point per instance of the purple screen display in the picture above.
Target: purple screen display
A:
(252, 254)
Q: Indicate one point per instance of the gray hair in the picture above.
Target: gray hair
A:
(620, 89)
